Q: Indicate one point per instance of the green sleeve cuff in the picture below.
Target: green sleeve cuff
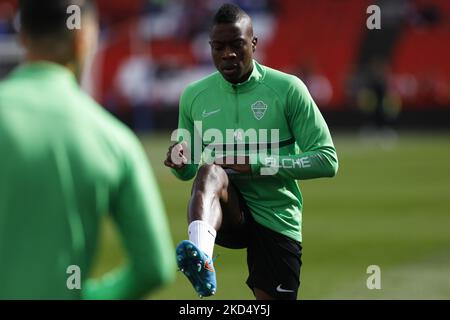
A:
(184, 174)
(255, 169)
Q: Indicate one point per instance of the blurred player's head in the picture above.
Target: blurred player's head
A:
(49, 34)
(232, 43)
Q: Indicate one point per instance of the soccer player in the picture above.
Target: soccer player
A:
(65, 163)
(239, 205)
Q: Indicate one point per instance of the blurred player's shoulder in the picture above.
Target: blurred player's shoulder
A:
(9, 88)
(48, 96)
(106, 127)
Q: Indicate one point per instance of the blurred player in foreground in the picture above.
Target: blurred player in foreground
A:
(240, 205)
(65, 163)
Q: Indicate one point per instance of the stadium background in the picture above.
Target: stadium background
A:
(385, 94)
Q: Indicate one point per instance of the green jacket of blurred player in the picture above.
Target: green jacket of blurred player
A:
(65, 163)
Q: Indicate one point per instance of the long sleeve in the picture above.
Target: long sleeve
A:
(186, 132)
(317, 157)
(139, 213)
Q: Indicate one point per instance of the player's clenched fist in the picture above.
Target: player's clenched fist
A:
(175, 157)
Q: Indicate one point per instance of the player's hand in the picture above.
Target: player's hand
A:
(175, 157)
(237, 163)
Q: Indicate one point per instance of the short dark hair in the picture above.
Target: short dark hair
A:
(228, 13)
(48, 17)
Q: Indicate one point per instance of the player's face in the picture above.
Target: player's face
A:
(232, 47)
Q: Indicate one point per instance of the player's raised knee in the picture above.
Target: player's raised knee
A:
(211, 173)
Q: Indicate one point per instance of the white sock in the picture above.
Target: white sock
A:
(203, 235)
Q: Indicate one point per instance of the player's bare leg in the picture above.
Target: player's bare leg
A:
(214, 207)
(205, 216)
(214, 200)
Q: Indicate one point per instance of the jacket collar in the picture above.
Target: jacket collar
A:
(255, 78)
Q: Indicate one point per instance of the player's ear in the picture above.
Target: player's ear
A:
(77, 43)
(23, 39)
(254, 42)
(84, 42)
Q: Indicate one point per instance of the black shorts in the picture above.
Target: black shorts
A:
(273, 259)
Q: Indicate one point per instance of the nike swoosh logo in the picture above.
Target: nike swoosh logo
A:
(207, 114)
(279, 289)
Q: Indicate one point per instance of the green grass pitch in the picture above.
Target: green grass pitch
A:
(389, 206)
